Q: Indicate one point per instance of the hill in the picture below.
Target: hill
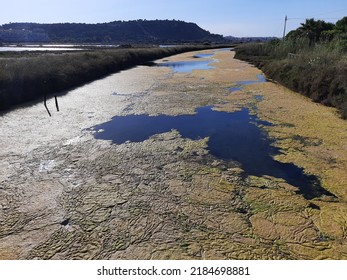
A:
(135, 31)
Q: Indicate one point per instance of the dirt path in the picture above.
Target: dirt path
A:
(66, 195)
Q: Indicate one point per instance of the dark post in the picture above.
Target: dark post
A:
(285, 26)
(44, 102)
(56, 103)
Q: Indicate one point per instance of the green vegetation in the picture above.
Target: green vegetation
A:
(311, 60)
(30, 77)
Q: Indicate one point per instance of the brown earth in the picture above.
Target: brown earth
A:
(66, 195)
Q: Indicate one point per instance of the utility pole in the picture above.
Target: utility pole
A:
(285, 26)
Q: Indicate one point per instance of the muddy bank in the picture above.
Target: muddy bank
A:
(66, 195)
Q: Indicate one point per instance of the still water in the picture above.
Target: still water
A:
(52, 47)
(235, 136)
(35, 49)
(238, 85)
(187, 66)
(203, 55)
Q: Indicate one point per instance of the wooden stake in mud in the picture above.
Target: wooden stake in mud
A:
(45, 103)
(56, 103)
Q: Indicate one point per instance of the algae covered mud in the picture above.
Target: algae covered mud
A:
(206, 171)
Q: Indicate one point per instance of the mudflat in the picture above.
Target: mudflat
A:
(66, 195)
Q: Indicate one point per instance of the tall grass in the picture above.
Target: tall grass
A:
(318, 72)
(31, 77)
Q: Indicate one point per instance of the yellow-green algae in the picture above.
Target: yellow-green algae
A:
(165, 198)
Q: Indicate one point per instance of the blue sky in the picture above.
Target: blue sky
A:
(226, 17)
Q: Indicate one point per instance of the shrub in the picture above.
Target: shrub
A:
(318, 72)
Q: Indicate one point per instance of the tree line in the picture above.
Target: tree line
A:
(319, 31)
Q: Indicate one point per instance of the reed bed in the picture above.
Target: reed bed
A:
(30, 77)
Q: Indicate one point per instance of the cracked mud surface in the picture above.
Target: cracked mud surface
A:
(66, 195)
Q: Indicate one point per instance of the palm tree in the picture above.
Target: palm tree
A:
(341, 25)
(313, 29)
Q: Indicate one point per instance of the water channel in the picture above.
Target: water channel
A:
(236, 136)
(52, 47)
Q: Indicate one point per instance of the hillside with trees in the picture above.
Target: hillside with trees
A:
(311, 60)
(118, 32)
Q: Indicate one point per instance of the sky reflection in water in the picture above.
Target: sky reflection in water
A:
(233, 136)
